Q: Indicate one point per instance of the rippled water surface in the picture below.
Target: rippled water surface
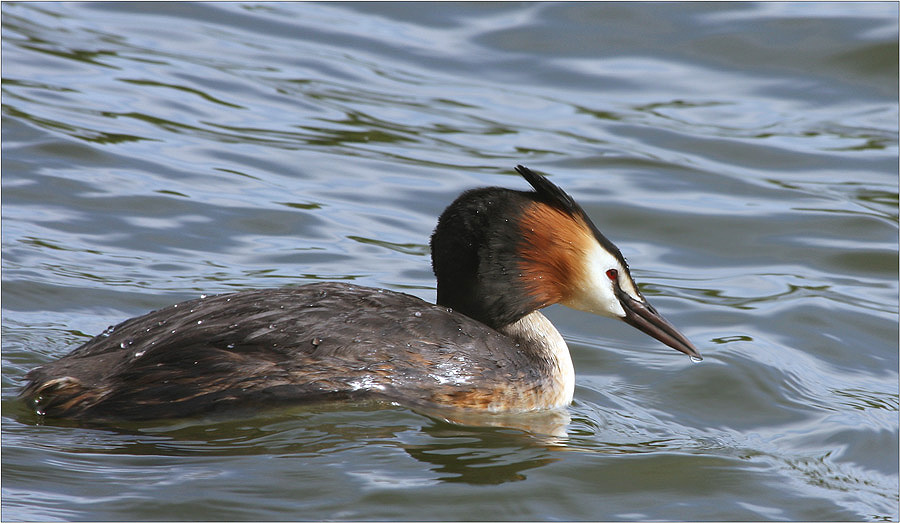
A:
(743, 157)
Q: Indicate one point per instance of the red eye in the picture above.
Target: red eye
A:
(612, 274)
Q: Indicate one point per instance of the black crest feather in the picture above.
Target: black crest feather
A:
(549, 191)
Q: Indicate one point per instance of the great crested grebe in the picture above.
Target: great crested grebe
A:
(499, 255)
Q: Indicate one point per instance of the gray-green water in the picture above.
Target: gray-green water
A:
(743, 156)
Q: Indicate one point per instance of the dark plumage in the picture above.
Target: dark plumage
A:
(319, 341)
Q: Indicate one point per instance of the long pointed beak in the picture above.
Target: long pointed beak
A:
(644, 317)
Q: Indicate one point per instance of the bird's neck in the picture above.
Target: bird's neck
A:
(535, 333)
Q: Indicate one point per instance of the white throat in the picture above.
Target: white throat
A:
(538, 333)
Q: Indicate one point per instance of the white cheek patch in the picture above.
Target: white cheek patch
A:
(594, 291)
